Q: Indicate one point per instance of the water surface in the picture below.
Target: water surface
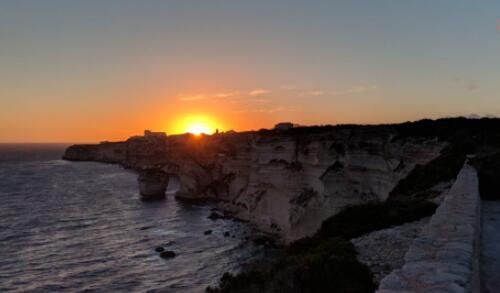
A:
(81, 227)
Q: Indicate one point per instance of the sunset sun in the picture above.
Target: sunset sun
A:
(198, 128)
(196, 124)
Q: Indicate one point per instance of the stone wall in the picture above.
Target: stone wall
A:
(444, 257)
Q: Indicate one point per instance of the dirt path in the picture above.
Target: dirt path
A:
(490, 247)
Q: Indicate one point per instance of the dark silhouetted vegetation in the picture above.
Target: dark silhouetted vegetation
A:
(455, 130)
(488, 167)
(361, 219)
(421, 178)
(465, 136)
(328, 259)
(328, 264)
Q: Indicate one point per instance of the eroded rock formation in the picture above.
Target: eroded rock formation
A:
(288, 184)
(285, 182)
(152, 183)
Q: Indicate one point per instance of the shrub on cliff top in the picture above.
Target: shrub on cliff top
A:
(454, 130)
(443, 168)
(328, 259)
(361, 219)
(329, 264)
(249, 282)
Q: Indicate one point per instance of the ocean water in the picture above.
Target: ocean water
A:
(81, 227)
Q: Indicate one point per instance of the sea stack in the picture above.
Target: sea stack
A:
(152, 183)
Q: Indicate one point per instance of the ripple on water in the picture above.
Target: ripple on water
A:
(81, 227)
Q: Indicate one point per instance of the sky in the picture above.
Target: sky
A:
(86, 71)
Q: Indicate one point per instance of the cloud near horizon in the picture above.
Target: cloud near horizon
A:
(227, 95)
(355, 90)
(269, 110)
(223, 95)
(251, 96)
(258, 92)
(312, 93)
(192, 98)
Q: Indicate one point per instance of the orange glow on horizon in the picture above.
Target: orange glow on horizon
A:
(197, 124)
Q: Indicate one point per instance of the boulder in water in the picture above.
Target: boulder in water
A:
(152, 183)
(215, 215)
(167, 254)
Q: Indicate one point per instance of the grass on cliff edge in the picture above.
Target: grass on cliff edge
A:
(327, 262)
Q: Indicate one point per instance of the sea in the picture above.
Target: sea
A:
(82, 227)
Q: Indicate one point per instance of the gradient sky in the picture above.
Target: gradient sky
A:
(75, 71)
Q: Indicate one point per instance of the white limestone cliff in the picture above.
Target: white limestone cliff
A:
(288, 184)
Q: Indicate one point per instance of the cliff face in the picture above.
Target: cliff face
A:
(285, 182)
(289, 184)
(136, 152)
(105, 152)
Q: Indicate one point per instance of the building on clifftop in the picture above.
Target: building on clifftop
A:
(283, 126)
(149, 133)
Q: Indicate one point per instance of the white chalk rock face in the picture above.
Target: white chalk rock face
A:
(289, 184)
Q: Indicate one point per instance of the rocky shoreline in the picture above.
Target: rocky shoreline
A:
(383, 250)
